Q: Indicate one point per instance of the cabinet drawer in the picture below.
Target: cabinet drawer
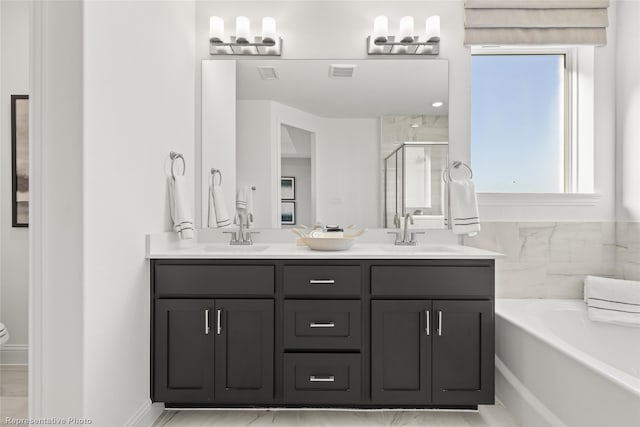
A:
(322, 378)
(322, 325)
(211, 280)
(309, 280)
(433, 281)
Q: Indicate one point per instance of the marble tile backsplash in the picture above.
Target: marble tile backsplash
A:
(628, 250)
(551, 259)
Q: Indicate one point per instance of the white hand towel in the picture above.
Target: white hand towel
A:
(241, 198)
(244, 202)
(211, 214)
(612, 300)
(464, 207)
(220, 208)
(180, 207)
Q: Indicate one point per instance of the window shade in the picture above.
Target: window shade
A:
(532, 22)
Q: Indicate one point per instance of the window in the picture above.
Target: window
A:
(521, 120)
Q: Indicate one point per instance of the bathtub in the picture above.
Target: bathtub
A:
(556, 367)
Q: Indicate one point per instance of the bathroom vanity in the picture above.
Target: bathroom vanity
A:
(275, 325)
(356, 329)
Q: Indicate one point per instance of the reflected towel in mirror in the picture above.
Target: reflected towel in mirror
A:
(244, 201)
(218, 216)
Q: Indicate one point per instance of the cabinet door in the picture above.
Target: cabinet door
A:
(244, 351)
(463, 348)
(183, 351)
(401, 352)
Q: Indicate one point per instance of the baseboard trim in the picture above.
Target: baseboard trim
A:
(146, 414)
(14, 354)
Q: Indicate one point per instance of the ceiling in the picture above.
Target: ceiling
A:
(378, 87)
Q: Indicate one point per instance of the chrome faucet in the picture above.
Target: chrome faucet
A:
(406, 240)
(241, 237)
(408, 217)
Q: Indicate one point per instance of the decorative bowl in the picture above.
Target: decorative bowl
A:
(329, 243)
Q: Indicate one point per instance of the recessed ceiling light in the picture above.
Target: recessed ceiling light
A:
(415, 125)
(437, 104)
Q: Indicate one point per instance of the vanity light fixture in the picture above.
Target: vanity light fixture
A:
(243, 43)
(406, 42)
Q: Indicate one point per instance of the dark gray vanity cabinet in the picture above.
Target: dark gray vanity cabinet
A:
(400, 352)
(322, 333)
(463, 350)
(212, 333)
(183, 351)
(244, 351)
(432, 351)
(213, 350)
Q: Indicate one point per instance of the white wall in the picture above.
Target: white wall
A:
(628, 111)
(14, 262)
(316, 29)
(345, 161)
(56, 290)
(347, 173)
(253, 158)
(219, 136)
(139, 105)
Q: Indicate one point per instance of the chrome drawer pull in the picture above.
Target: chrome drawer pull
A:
(219, 326)
(322, 325)
(439, 323)
(206, 322)
(322, 282)
(327, 379)
(428, 327)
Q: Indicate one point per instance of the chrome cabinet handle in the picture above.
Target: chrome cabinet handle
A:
(219, 323)
(206, 322)
(439, 323)
(322, 325)
(428, 326)
(327, 379)
(322, 282)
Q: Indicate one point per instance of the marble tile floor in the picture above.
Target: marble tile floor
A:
(493, 416)
(13, 392)
(13, 403)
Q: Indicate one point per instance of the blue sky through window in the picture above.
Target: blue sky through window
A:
(517, 123)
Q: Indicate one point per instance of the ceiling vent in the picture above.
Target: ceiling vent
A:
(338, 71)
(268, 73)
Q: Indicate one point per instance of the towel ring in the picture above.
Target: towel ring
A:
(215, 172)
(174, 158)
(456, 165)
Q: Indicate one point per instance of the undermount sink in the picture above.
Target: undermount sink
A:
(421, 249)
(226, 248)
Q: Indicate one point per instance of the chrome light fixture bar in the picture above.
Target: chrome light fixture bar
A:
(406, 43)
(242, 43)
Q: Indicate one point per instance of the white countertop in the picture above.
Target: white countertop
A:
(291, 251)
